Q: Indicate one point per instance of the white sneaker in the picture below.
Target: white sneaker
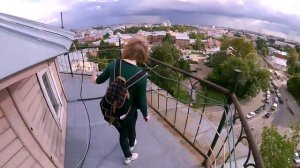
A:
(132, 158)
(131, 148)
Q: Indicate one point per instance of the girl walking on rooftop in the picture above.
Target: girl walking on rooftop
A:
(136, 50)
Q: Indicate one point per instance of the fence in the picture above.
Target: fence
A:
(215, 128)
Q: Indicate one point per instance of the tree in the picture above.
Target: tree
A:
(241, 48)
(105, 56)
(293, 61)
(218, 58)
(168, 38)
(293, 86)
(260, 44)
(293, 57)
(294, 69)
(106, 36)
(168, 53)
(199, 45)
(239, 54)
(250, 82)
(264, 51)
(194, 35)
(278, 150)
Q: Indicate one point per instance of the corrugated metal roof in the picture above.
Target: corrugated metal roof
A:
(24, 43)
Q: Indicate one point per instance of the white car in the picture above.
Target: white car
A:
(276, 100)
(297, 158)
(278, 95)
(274, 106)
(250, 115)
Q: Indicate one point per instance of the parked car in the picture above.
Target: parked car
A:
(268, 92)
(278, 95)
(297, 157)
(268, 101)
(272, 91)
(257, 111)
(264, 106)
(274, 106)
(280, 100)
(276, 100)
(277, 91)
(250, 115)
(268, 114)
(268, 96)
(273, 83)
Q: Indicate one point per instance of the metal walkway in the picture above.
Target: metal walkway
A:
(158, 145)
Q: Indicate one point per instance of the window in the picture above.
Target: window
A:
(50, 92)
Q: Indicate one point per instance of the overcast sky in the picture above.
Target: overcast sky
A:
(278, 17)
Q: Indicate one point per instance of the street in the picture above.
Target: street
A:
(282, 117)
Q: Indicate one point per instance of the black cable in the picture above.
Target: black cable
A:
(88, 116)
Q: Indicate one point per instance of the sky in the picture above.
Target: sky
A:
(276, 17)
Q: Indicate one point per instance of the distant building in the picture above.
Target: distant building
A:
(282, 44)
(278, 53)
(212, 46)
(156, 37)
(77, 66)
(277, 63)
(182, 40)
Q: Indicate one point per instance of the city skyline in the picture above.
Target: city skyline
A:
(278, 18)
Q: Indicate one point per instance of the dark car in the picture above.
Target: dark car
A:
(264, 106)
(280, 100)
(268, 114)
(257, 111)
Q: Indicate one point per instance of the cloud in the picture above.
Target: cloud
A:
(268, 15)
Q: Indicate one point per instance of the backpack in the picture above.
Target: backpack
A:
(116, 103)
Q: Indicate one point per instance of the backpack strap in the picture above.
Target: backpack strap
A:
(117, 69)
(134, 79)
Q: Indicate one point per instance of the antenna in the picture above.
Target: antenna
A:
(61, 19)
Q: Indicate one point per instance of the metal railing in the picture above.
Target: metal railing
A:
(216, 129)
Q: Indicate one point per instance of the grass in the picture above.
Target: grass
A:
(211, 94)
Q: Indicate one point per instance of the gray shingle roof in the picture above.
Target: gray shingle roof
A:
(24, 43)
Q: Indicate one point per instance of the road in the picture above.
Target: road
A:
(282, 117)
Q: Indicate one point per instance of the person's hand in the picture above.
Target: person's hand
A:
(147, 118)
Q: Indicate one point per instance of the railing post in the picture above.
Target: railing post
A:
(177, 98)
(120, 47)
(70, 65)
(207, 163)
(225, 113)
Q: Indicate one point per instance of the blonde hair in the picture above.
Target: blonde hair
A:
(136, 49)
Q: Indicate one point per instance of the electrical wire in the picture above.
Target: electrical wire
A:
(81, 162)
